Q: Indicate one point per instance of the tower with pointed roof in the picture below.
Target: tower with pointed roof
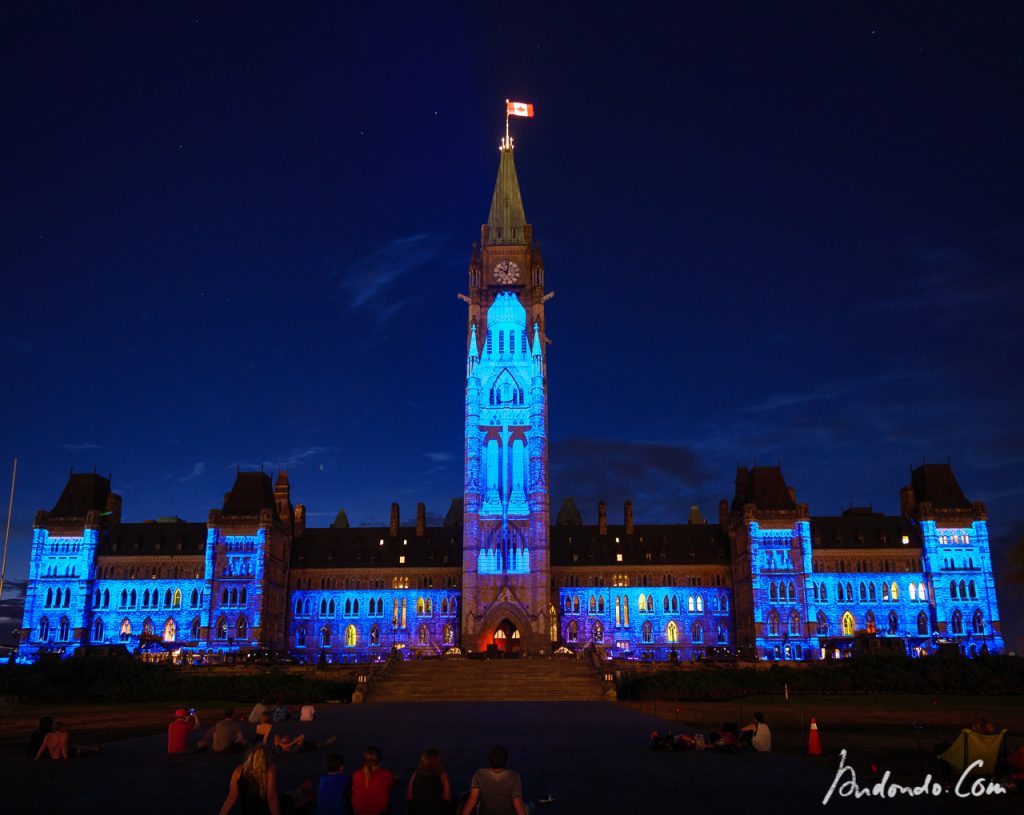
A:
(506, 572)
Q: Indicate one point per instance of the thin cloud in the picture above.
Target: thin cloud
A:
(366, 282)
(85, 445)
(198, 470)
(440, 458)
(297, 458)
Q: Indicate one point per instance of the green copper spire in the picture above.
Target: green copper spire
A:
(506, 225)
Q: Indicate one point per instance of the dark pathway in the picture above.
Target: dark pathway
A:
(592, 757)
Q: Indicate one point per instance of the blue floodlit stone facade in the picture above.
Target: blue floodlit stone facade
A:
(767, 581)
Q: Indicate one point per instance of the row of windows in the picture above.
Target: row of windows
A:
(64, 546)
(328, 607)
(449, 582)
(62, 599)
(647, 632)
(867, 593)
(150, 599)
(953, 563)
(350, 636)
(644, 580)
(70, 570)
(962, 590)
(154, 572)
(647, 605)
(511, 341)
(848, 624)
(841, 565)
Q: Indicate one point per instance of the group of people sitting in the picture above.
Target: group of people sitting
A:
(495, 790)
(228, 735)
(728, 739)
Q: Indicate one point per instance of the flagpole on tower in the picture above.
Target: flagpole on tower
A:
(508, 142)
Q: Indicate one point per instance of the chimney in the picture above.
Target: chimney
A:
(629, 517)
(602, 518)
(421, 519)
(300, 519)
(394, 520)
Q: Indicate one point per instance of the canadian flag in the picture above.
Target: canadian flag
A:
(520, 109)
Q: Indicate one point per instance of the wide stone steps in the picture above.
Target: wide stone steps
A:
(465, 680)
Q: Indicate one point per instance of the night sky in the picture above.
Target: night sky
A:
(235, 237)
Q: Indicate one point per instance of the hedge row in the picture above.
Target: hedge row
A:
(869, 674)
(126, 680)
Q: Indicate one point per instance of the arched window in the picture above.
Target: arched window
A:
(885, 592)
(792, 592)
(700, 602)
(170, 630)
(840, 596)
(224, 597)
(300, 637)
(576, 605)
(106, 598)
(958, 622)
(242, 596)
(871, 592)
(234, 596)
(241, 629)
(672, 631)
(978, 623)
(650, 604)
(794, 624)
(894, 591)
(647, 631)
(691, 605)
(97, 630)
(773, 592)
(972, 592)
(597, 632)
(618, 611)
(641, 604)
(572, 631)
(222, 628)
(64, 632)
(963, 590)
(44, 629)
(697, 633)
(863, 593)
(350, 636)
(374, 635)
(913, 591)
(193, 598)
(167, 598)
(194, 629)
(423, 634)
(723, 634)
(298, 608)
(773, 623)
(145, 599)
(126, 628)
(664, 603)
(600, 605)
(824, 593)
(822, 624)
(849, 592)
(922, 624)
(132, 598)
(323, 606)
(848, 624)
(307, 608)
(952, 589)
(922, 595)
(568, 604)
(869, 622)
(325, 636)
(49, 598)
(176, 599)
(147, 626)
(675, 603)
(894, 623)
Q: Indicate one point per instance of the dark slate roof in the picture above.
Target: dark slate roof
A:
(859, 530)
(762, 486)
(251, 493)
(359, 547)
(668, 544)
(936, 484)
(180, 539)
(83, 492)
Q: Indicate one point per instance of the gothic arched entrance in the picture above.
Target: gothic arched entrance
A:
(506, 636)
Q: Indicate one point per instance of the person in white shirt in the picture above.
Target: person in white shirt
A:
(760, 736)
(307, 713)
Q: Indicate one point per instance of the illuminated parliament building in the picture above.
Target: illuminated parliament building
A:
(767, 580)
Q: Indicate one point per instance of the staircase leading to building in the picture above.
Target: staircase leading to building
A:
(492, 680)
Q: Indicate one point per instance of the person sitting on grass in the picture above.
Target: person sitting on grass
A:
(760, 737)
(335, 789)
(281, 712)
(498, 790)
(300, 744)
(178, 731)
(57, 744)
(307, 712)
(35, 741)
(429, 791)
(225, 736)
(253, 785)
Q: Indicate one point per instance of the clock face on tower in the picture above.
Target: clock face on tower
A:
(506, 271)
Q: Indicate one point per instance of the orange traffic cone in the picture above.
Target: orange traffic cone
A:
(814, 740)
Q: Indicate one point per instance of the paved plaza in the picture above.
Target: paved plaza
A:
(591, 757)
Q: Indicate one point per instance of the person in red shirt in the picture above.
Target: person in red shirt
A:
(371, 785)
(178, 730)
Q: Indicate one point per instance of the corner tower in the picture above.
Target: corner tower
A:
(506, 572)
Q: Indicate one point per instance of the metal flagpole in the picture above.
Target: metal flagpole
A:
(508, 142)
(6, 535)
